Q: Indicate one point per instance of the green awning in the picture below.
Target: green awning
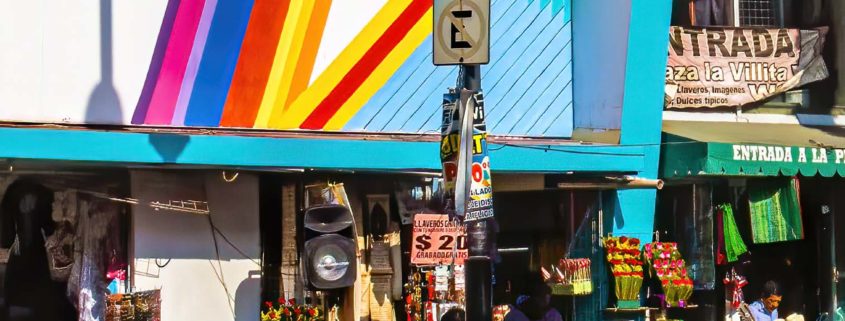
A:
(751, 149)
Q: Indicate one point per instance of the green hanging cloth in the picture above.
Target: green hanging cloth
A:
(775, 210)
(734, 246)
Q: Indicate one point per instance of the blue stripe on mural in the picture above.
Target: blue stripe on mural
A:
(523, 35)
(218, 62)
(561, 125)
(421, 101)
(426, 118)
(519, 105)
(541, 100)
(530, 50)
(382, 99)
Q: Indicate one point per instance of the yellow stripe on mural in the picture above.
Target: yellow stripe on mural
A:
(382, 73)
(288, 53)
(310, 46)
(303, 105)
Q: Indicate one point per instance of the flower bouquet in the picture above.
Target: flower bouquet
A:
(623, 255)
(290, 311)
(570, 277)
(667, 264)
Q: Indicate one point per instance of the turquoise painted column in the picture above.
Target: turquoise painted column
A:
(642, 110)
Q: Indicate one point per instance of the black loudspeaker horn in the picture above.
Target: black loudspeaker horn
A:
(329, 252)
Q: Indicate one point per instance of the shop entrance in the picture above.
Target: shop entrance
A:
(805, 265)
(831, 243)
(536, 230)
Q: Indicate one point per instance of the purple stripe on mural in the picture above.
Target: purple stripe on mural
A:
(143, 104)
(176, 57)
(193, 63)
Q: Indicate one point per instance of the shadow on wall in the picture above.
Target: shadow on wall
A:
(246, 296)
(169, 146)
(104, 104)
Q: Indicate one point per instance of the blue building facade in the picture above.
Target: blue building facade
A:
(574, 93)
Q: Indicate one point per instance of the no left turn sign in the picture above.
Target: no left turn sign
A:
(461, 32)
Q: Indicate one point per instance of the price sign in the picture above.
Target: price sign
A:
(437, 240)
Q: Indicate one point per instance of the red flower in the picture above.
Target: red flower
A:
(286, 312)
(272, 315)
(635, 242)
(623, 240)
(297, 311)
(312, 312)
(292, 301)
(268, 304)
(281, 300)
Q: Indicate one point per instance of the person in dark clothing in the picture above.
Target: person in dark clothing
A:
(25, 219)
(454, 314)
(535, 306)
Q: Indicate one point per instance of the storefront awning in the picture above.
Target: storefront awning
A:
(751, 149)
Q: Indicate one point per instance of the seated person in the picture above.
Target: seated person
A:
(535, 306)
(766, 309)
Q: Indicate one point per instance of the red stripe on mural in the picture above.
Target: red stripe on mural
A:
(254, 63)
(364, 67)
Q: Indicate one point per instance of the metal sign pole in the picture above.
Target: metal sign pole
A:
(461, 37)
(479, 266)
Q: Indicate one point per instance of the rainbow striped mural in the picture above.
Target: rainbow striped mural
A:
(252, 64)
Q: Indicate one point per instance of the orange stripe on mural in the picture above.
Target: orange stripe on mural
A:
(303, 105)
(382, 73)
(368, 63)
(288, 55)
(308, 53)
(254, 63)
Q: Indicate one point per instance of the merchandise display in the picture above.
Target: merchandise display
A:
(138, 306)
(288, 310)
(623, 255)
(570, 277)
(665, 262)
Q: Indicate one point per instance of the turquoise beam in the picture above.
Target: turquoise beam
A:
(642, 114)
(308, 153)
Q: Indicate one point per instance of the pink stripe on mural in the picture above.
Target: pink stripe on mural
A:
(193, 63)
(175, 60)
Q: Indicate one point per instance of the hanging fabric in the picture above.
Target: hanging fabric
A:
(734, 246)
(721, 257)
(705, 13)
(775, 210)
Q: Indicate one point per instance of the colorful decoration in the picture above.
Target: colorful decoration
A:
(301, 65)
(667, 264)
(733, 287)
(288, 310)
(624, 254)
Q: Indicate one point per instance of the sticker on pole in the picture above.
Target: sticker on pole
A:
(461, 32)
(438, 240)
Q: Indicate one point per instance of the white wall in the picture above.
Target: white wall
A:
(189, 285)
(600, 44)
(51, 67)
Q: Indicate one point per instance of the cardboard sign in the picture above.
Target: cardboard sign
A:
(438, 240)
(716, 67)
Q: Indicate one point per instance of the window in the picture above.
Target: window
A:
(760, 13)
